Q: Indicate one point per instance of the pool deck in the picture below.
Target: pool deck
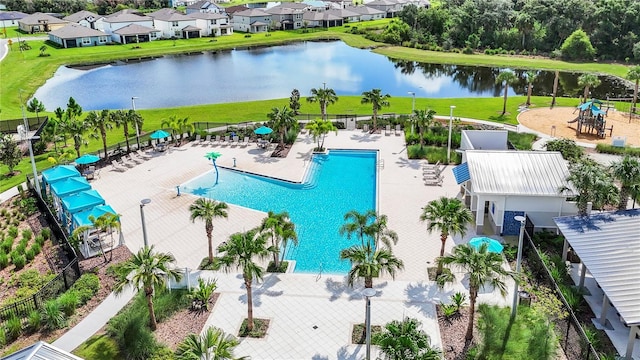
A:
(295, 303)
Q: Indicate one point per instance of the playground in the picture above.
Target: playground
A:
(561, 122)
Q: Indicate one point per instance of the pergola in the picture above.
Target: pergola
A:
(608, 244)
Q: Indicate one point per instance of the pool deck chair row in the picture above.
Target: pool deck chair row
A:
(220, 141)
(432, 174)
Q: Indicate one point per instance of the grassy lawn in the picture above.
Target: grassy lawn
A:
(13, 33)
(99, 347)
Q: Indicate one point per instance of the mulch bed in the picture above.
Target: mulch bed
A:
(260, 328)
(281, 152)
(359, 333)
(172, 331)
(452, 332)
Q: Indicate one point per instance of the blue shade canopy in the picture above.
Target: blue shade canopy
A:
(159, 134)
(87, 159)
(82, 218)
(493, 245)
(82, 201)
(70, 186)
(263, 130)
(59, 172)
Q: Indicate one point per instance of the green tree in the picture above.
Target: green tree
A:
(10, 154)
(449, 216)
(294, 101)
(377, 101)
(319, 129)
(206, 210)
(282, 119)
(279, 228)
(578, 47)
(531, 77)
(124, 119)
(324, 97)
(147, 270)
(568, 148)
(588, 81)
(483, 268)
(404, 340)
(239, 253)
(368, 262)
(176, 125)
(77, 129)
(99, 123)
(105, 224)
(359, 224)
(591, 184)
(627, 172)
(36, 106)
(634, 75)
(214, 344)
(423, 119)
(507, 78)
(525, 24)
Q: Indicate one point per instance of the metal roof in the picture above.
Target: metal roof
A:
(608, 244)
(41, 351)
(525, 173)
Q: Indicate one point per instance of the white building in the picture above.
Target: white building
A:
(212, 24)
(173, 23)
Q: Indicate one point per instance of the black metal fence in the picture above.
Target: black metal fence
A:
(11, 126)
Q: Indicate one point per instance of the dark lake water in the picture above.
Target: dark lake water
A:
(272, 72)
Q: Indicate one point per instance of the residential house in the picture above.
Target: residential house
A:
(286, 18)
(110, 24)
(39, 22)
(234, 9)
(204, 6)
(346, 15)
(321, 19)
(10, 18)
(251, 21)
(84, 18)
(213, 24)
(367, 13)
(134, 33)
(175, 24)
(76, 35)
(390, 7)
(315, 5)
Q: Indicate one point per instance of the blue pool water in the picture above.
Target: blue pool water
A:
(336, 183)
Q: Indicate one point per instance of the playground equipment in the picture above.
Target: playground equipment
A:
(591, 118)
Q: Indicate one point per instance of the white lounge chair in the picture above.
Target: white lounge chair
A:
(217, 140)
(127, 163)
(437, 181)
(117, 167)
(135, 159)
(143, 155)
(198, 138)
(398, 130)
(207, 140)
(235, 141)
(245, 142)
(387, 130)
(365, 127)
(226, 139)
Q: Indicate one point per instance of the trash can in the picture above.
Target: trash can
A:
(525, 298)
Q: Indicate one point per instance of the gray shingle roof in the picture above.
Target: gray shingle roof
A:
(135, 29)
(365, 10)
(73, 31)
(38, 18)
(81, 15)
(252, 13)
(12, 15)
(206, 16)
(169, 15)
(126, 17)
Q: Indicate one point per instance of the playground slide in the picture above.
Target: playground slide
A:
(574, 120)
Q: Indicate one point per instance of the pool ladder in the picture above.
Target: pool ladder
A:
(381, 164)
(320, 273)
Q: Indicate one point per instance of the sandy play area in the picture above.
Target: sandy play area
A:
(544, 119)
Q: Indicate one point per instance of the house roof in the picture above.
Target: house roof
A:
(191, 28)
(524, 173)
(291, 5)
(342, 13)
(365, 10)
(39, 18)
(169, 15)
(258, 23)
(608, 244)
(135, 29)
(251, 13)
(202, 5)
(236, 8)
(382, 3)
(320, 16)
(126, 17)
(12, 15)
(283, 11)
(82, 15)
(73, 31)
(206, 16)
(41, 351)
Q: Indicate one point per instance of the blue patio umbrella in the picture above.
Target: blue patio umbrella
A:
(159, 134)
(263, 130)
(493, 245)
(87, 159)
(213, 156)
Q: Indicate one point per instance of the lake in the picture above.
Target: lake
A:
(272, 72)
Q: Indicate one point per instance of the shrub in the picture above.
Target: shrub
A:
(27, 234)
(467, 50)
(36, 248)
(568, 148)
(39, 239)
(34, 320)
(29, 254)
(52, 315)
(3, 337)
(13, 327)
(7, 244)
(19, 261)
(86, 286)
(12, 231)
(69, 302)
(46, 233)
(4, 260)
(200, 296)
(134, 338)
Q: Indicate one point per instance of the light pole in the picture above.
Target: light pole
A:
(514, 307)
(144, 202)
(36, 183)
(449, 141)
(368, 293)
(133, 106)
(413, 102)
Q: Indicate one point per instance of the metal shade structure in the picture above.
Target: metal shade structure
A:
(159, 134)
(87, 159)
(493, 245)
(263, 130)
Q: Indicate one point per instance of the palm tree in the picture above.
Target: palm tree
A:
(368, 262)
(483, 268)
(206, 210)
(404, 339)
(319, 129)
(149, 271)
(106, 224)
(281, 120)
(377, 101)
(214, 344)
(324, 97)
(239, 252)
(589, 81)
(280, 229)
(555, 88)
(381, 232)
(531, 77)
(76, 129)
(423, 119)
(591, 184)
(449, 216)
(176, 125)
(99, 123)
(634, 75)
(36, 106)
(125, 118)
(359, 224)
(507, 78)
(627, 172)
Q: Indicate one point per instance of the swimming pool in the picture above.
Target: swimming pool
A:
(336, 183)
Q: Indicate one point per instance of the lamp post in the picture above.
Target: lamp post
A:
(133, 106)
(413, 101)
(144, 202)
(36, 183)
(449, 141)
(368, 293)
(514, 307)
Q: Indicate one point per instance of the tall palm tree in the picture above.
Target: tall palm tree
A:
(368, 262)
(126, 118)
(324, 97)
(239, 253)
(99, 123)
(206, 210)
(381, 232)
(423, 119)
(554, 93)
(634, 75)
(279, 228)
(531, 77)
(627, 172)
(589, 81)
(592, 184)
(403, 340)
(106, 223)
(214, 344)
(147, 270)
(36, 106)
(319, 128)
(359, 224)
(377, 101)
(176, 125)
(507, 78)
(76, 129)
(449, 216)
(281, 120)
(483, 268)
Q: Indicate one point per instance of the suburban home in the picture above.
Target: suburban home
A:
(205, 7)
(321, 19)
(286, 18)
(76, 35)
(109, 24)
(234, 9)
(84, 18)
(347, 16)
(10, 18)
(212, 24)
(390, 7)
(366, 12)
(251, 21)
(134, 33)
(174, 24)
(316, 5)
(39, 22)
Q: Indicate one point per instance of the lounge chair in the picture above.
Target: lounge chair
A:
(365, 127)
(235, 141)
(117, 167)
(207, 140)
(198, 138)
(127, 163)
(217, 140)
(387, 130)
(437, 181)
(135, 159)
(143, 155)
(245, 142)
(226, 139)
(398, 130)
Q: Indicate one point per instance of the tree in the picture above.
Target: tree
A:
(105, 224)
(588, 81)
(449, 216)
(531, 77)
(324, 97)
(627, 172)
(568, 148)
(404, 340)
(319, 129)
(36, 106)
(423, 119)
(147, 270)
(175, 124)
(368, 262)
(591, 184)
(214, 344)
(282, 119)
(483, 268)
(525, 24)
(634, 75)
(77, 129)
(578, 47)
(99, 123)
(124, 119)
(507, 78)
(206, 210)
(359, 224)
(377, 101)
(239, 252)
(10, 154)
(294, 101)
(279, 228)
(43, 50)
